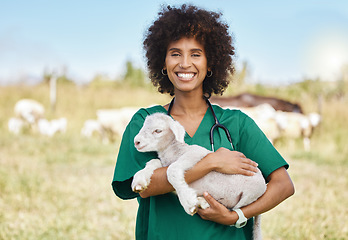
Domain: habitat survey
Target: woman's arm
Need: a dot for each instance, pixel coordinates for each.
(159, 183)
(223, 160)
(279, 188)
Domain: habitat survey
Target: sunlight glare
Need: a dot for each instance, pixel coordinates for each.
(325, 55)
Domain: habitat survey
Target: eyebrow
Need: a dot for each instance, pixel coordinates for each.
(192, 50)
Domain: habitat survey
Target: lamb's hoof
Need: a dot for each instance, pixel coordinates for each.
(138, 188)
(193, 211)
(202, 203)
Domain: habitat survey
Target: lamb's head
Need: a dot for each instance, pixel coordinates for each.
(159, 130)
(314, 119)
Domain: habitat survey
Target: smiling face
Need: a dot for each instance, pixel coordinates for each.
(186, 65)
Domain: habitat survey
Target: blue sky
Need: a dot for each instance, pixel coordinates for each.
(282, 41)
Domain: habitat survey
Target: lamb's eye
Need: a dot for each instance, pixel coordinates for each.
(157, 131)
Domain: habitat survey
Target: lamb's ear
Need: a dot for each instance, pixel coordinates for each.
(178, 130)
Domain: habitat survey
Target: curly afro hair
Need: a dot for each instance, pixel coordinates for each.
(189, 21)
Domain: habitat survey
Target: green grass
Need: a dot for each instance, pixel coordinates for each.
(318, 210)
(60, 187)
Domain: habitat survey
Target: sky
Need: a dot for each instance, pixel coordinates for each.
(281, 41)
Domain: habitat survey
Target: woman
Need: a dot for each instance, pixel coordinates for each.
(189, 53)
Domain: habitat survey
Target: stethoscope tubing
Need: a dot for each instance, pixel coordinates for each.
(216, 125)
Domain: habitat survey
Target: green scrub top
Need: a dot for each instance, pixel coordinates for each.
(162, 217)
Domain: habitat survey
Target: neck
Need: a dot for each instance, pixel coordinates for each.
(185, 104)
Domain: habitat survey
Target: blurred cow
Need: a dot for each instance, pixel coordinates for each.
(251, 100)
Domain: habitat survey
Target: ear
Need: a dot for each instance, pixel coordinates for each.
(178, 131)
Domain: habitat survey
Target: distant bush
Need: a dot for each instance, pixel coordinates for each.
(134, 77)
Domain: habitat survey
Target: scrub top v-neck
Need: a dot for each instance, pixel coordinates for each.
(205, 120)
(162, 216)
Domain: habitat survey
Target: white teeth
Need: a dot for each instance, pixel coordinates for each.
(186, 75)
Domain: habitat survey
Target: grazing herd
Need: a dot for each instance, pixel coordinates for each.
(276, 117)
(281, 124)
(109, 123)
(29, 116)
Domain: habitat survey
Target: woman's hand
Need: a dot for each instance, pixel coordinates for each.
(233, 162)
(223, 160)
(216, 212)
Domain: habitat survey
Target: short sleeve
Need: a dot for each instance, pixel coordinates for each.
(256, 146)
(129, 160)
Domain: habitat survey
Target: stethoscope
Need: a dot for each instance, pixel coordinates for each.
(216, 125)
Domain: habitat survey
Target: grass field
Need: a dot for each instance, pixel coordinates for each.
(60, 187)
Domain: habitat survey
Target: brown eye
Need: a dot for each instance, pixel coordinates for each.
(157, 131)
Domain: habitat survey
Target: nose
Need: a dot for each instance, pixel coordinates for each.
(136, 143)
(185, 62)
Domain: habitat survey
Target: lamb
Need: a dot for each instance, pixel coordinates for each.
(166, 136)
(16, 125)
(50, 128)
(90, 127)
(29, 110)
(264, 116)
(114, 121)
(278, 124)
(297, 125)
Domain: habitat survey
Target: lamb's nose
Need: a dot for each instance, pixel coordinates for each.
(136, 143)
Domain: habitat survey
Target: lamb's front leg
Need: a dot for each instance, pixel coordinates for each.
(176, 177)
(187, 195)
(142, 178)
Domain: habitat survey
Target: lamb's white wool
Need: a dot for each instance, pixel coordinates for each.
(264, 117)
(114, 121)
(29, 110)
(297, 125)
(50, 128)
(16, 125)
(162, 134)
(314, 119)
(278, 124)
(90, 127)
